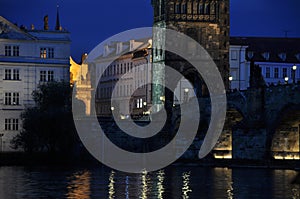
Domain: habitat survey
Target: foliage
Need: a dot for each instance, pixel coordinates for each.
(48, 126)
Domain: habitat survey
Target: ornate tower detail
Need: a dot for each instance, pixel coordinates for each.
(206, 21)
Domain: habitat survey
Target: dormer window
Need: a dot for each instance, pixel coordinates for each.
(266, 55)
(250, 54)
(298, 56)
(282, 56)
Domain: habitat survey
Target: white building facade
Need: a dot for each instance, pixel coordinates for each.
(278, 59)
(27, 59)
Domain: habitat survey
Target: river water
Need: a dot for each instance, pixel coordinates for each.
(173, 182)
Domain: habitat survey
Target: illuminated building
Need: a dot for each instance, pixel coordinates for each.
(28, 57)
(129, 67)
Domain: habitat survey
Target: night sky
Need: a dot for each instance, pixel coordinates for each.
(92, 21)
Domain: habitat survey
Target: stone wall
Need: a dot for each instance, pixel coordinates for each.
(249, 144)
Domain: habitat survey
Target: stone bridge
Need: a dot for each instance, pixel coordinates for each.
(262, 123)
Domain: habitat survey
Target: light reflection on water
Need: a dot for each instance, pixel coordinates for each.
(79, 186)
(173, 182)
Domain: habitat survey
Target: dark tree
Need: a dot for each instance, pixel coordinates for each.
(49, 126)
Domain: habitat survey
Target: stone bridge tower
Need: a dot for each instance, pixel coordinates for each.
(206, 21)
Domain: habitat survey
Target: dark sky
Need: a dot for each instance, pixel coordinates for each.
(92, 21)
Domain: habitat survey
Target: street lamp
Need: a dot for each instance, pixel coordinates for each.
(112, 108)
(186, 94)
(294, 73)
(286, 79)
(145, 107)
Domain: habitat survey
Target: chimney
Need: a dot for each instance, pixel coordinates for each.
(106, 50)
(46, 24)
(119, 47)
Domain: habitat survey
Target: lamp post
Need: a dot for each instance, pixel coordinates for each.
(286, 80)
(145, 107)
(230, 80)
(186, 95)
(294, 73)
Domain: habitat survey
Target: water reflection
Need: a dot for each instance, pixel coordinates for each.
(111, 185)
(173, 182)
(160, 184)
(186, 185)
(79, 186)
(144, 185)
(127, 187)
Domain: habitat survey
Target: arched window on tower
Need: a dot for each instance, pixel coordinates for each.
(177, 8)
(200, 9)
(213, 8)
(207, 9)
(183, 8)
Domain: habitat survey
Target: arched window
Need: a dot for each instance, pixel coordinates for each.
(183, 8)
(213, 8)
(200, 9)
(207, 9)
(177, 8)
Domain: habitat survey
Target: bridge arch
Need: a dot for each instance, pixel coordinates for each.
(285, 134)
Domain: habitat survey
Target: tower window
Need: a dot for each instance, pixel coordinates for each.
(213, 8)
(207, 9)
(177, 8)
(201, 9)
(184, 9)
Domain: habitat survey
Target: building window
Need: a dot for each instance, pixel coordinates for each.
(11, 99)
(11, 124)
(268, 72)
(233, 55)
(139, 103)
(15, 50)
(50, 76)
(50, 52)
(43, 53)
(7, 50)
(16, 74)
(7, 74)
(15, 99)
(7, 99)
(284, 72)
(43, 76)
(276, 73)
(46, 53)
(12, 50)
(11, 74)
